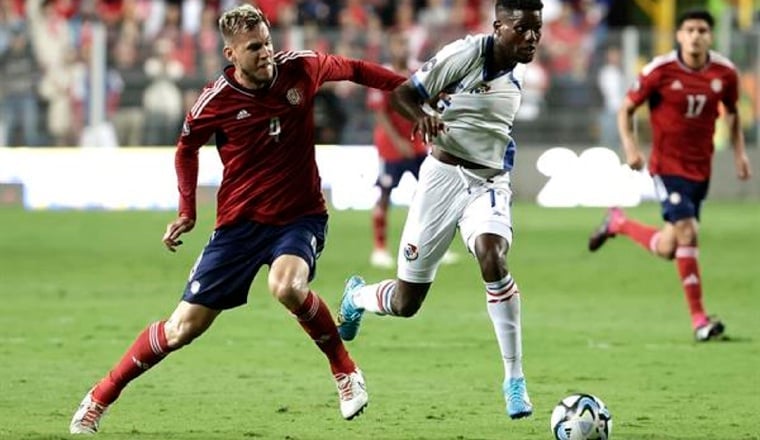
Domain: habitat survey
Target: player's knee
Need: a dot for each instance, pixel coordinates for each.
(287, 290)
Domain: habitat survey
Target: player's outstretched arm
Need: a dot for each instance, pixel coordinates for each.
(407, 101)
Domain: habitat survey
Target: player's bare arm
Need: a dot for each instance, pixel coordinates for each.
(741, 160)
(408, 103)
(176, 228)
(633, 155)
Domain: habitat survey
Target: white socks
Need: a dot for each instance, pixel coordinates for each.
(376, 298)
(503, 303)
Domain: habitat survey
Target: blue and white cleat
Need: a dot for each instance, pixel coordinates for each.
(516, 395)
(349, 316)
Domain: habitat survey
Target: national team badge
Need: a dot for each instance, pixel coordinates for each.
(411, 252)
(294, 96)
(716, 85)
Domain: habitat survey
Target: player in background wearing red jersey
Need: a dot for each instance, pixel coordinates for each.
(684, 90)
(397, 151)
(270, 209)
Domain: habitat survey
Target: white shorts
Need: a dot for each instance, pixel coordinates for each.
(450, 197)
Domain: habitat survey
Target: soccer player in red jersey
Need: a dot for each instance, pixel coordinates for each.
(398, 153)
(270, 209)
(684, 89)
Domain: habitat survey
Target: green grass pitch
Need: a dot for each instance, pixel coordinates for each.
(77, 287)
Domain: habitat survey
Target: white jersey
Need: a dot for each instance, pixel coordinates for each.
(481, 106)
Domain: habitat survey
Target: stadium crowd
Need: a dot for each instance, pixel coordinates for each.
(159, 53)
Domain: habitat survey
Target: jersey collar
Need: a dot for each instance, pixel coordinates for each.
(487, 74)
(229, 76)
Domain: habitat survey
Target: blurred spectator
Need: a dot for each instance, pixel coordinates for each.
(611, 83)
(162, 100)
(19, 114)
(416, 34)
(54, 50)
(81, 91)
(128, 120)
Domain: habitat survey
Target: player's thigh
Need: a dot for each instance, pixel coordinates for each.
(431, 221)
(488, 212)
(223, 272)
(680, 198)
(304, 238)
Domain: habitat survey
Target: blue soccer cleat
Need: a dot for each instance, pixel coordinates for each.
(516, 395)
(350, 316)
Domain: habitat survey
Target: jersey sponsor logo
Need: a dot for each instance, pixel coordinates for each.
(716, 85)
(411, 252)
(242, 114)
(676, 85)
(294, 96)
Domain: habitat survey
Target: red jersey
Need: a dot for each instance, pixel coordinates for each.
(265, 138)
(379, 101)
(684, 107)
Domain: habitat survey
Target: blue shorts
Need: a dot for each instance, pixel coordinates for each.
(223, 273)
(391, 172)
(680, 198)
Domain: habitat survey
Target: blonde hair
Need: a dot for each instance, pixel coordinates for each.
(239, 19)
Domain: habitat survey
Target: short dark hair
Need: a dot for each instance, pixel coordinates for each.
(526, 5)
(695, 14)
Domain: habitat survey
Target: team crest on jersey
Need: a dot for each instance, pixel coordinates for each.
(481, 88)
(429, 65)
(294, 96)
(411, 252)
(716, 85)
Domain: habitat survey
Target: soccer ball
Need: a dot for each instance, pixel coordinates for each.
(581, 417)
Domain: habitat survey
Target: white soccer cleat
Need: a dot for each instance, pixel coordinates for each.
(711, 330)
(381, 259)
(86, 419)
(353, 393)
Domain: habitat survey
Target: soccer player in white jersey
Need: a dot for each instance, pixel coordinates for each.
(464, 182)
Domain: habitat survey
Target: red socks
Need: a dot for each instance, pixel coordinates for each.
(688, 270)
(379, 227)
(149, 348)
(315, 318)
(644, 235)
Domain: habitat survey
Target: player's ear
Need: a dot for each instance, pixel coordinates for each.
(496, 25)
(227, 52)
